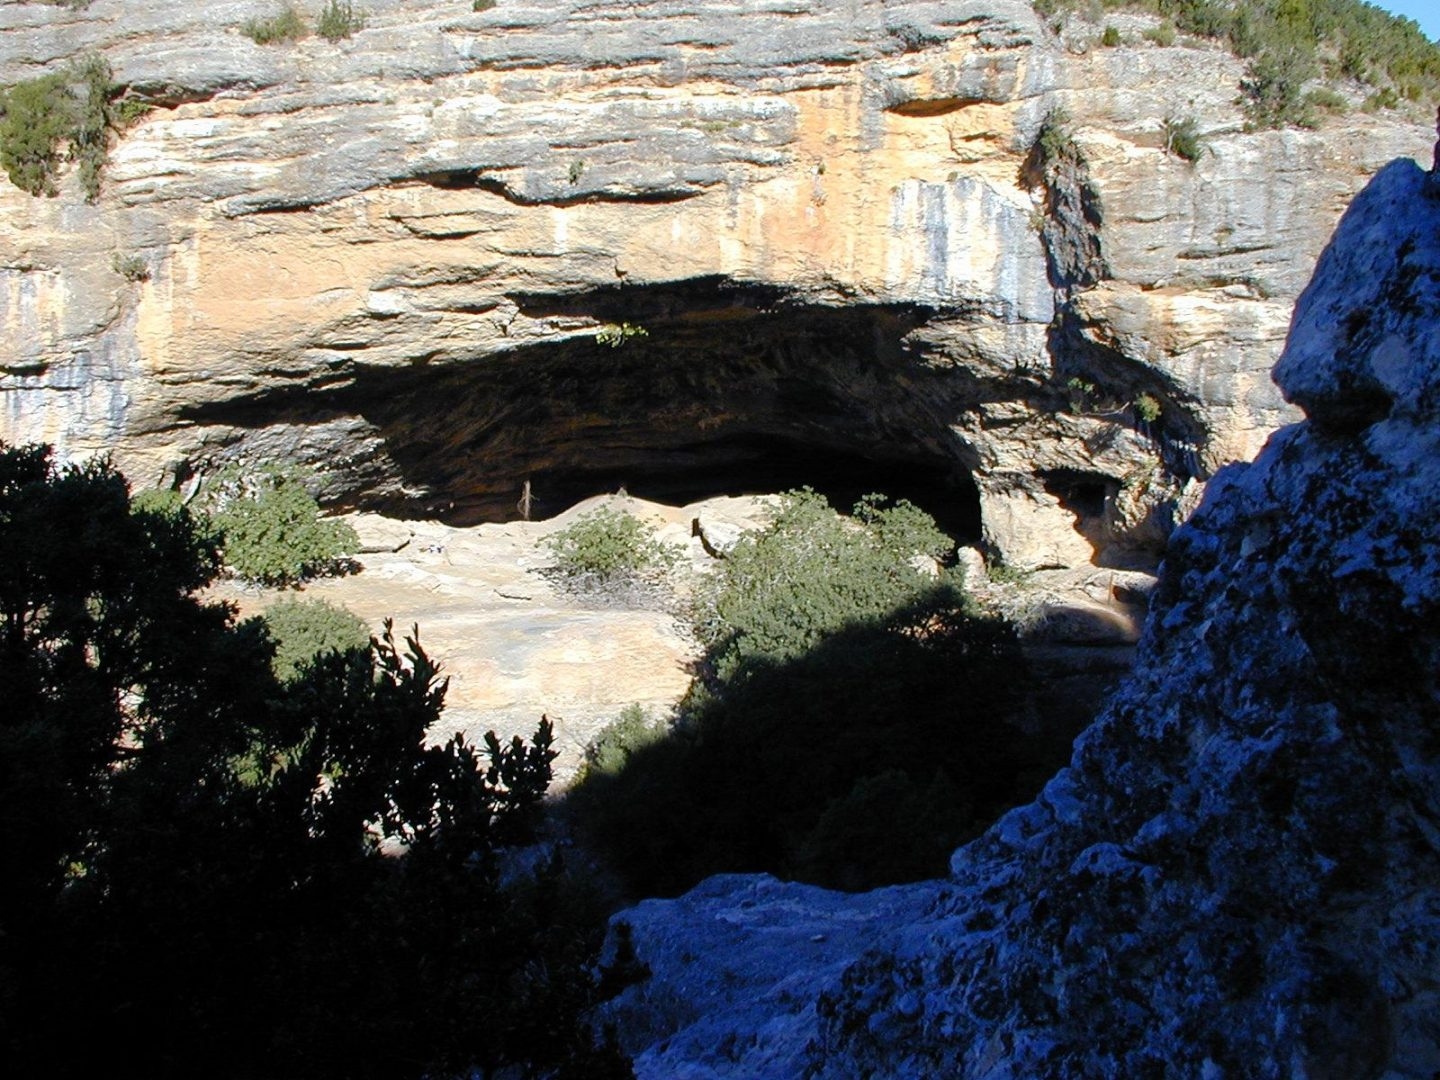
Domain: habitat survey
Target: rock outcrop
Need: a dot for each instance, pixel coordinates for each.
(390, 257)
(1238, 875)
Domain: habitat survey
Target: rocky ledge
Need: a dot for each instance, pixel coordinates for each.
(420, 258)
(1238, 875)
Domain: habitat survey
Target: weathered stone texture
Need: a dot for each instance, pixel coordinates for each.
(1236, 876)
(450, 190)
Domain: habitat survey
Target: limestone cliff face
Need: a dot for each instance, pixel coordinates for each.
(390, 255)
(1238, 875)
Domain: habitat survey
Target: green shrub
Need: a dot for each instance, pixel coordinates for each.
(338, 20)
(38, 116)
(619, 741)
(130, 267)
(157, 501)
(1162, 35)
(1273, 91)
(304, 630)
(1327, 100)
(1110, 38)
(1147, 408)
(810, 573)
(285, 26)
(613, 556)
(67, 110)
(1384, 98)
(617, 334)
(482, 5)
(1055, 144)
(272, 530)
(1081, 394)
(1183, 139)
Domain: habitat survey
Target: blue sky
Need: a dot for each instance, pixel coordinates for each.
(1425, 12)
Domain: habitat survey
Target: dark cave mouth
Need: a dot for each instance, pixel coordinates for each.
(734, 389)
(764, 465)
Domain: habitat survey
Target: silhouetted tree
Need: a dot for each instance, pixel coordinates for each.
(198, 874)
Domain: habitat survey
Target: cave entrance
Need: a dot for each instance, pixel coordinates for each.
(764, 464)
(730, 390)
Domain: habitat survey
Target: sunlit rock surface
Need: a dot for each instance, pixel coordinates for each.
(1239, 873)
(389, 257)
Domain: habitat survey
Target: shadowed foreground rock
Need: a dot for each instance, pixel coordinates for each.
(1239, 873)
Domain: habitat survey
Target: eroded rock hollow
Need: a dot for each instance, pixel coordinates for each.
(389, 257)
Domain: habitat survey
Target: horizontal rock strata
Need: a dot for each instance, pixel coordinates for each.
(390, 256)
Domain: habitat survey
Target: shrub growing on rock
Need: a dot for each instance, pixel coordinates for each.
(285, 25)
(304, 630)
(272, 530)
(338, 20)
(610, 555)
(65, 111)
(810, 573)
(840, 668)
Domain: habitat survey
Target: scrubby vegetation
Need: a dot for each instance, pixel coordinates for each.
(285, 25)
(1289, 42)
(338, 20)
(271, 528)
(1183, 138)
(810, 573)
(63, 116)
(610, 555)
(306, 630)
(847, 691)
(194, 873)
(131, 267)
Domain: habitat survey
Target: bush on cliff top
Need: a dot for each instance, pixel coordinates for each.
(1291, 41)
(62, 116)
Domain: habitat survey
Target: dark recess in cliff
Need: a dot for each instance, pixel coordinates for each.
(733, 389)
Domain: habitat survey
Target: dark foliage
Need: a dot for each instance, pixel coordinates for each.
(862, 762)
(195, 879)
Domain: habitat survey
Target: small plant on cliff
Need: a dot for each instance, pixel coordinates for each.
(130, 267)
(1147, 408)
(1111, 37)
(482, 5)
(338, 20)
(1162, 35)
(62, 116)
(1183, 139)
(616, 334)
(286, 25)
(1081, 394)
(612, 556)
(272, 530)
(1055, 143)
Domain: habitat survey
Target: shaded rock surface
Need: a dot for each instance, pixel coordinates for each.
(1238, 875)
(390, 257)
